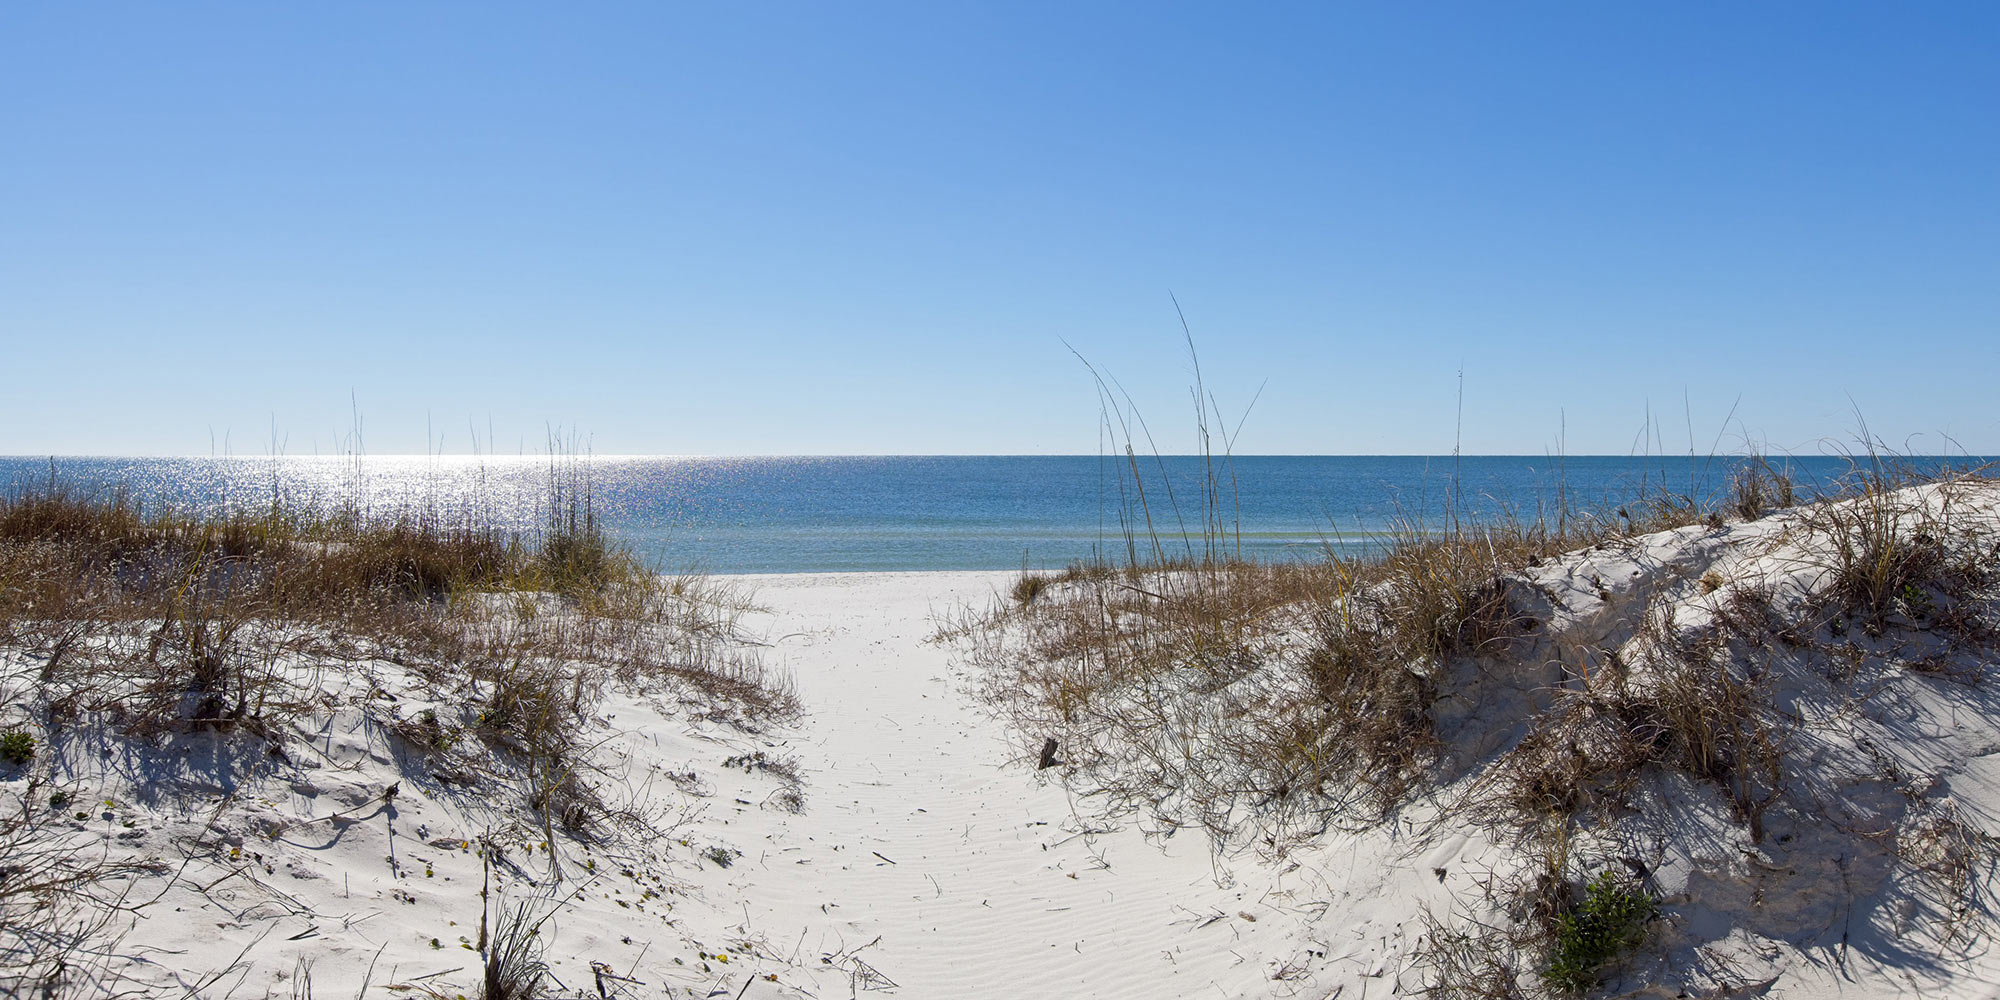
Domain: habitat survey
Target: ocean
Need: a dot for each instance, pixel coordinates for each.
(814, 514)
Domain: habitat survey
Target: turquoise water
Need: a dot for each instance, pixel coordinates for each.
(761, 515)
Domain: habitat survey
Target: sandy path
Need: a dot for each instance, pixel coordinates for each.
(992, 891)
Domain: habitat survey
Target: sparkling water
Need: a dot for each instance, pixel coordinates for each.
(799, 514)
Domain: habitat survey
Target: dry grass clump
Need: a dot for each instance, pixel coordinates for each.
(1120, 666)
(417, 558)
(55, 514)
(1374, 710)
(1901, 550)
(1757, 488)
(1464, 960)
(1690, 701)
(514, 967)
(1435, 596)
(161, 622)
(1302, 688)
(575, 555)
(1381, 638)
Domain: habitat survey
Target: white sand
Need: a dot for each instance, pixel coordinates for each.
(930, 854)
(999, 888)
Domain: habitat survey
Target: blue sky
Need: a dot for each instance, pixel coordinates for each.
(867, 228)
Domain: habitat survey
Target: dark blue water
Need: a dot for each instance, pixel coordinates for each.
(757, 515)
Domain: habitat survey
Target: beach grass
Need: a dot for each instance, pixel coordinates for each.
(1255, 699)
(239, 627)
(1262, 700)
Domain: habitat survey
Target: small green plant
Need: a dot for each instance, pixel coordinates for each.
(435, 732)
(1915, 600)
(17, 747)
(1605, 926)
(721, 856)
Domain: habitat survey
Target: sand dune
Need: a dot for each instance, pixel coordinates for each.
(899, 839)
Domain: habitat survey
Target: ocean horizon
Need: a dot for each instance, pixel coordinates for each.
(787, 514)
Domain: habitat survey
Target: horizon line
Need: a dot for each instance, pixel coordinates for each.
(1220, 456)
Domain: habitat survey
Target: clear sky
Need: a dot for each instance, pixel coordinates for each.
(758, 228)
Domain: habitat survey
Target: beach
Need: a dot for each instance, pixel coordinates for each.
(665, 501)
(929, 853)
(898, 834)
